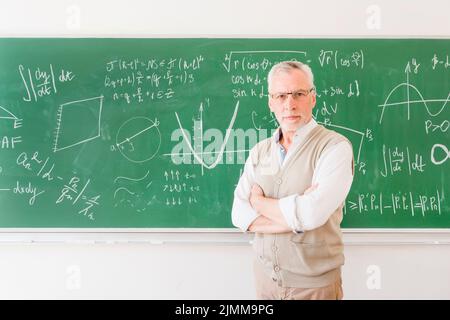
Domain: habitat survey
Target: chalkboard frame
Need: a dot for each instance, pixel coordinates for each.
(205, 236)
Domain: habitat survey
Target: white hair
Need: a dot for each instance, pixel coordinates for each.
(288, 66)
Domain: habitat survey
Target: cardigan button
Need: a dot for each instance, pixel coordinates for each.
(279, 181)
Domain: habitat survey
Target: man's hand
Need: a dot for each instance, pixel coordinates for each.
(255, 195)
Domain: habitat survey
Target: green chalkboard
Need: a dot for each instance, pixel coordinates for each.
(153, 133)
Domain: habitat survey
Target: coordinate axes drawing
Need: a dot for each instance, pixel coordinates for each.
(409, 102)
(199, 154)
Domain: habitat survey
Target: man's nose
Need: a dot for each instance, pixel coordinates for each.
(290, 102)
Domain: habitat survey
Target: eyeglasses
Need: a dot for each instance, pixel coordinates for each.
(299, 95)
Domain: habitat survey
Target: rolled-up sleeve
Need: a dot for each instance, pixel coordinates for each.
(333, 176)
(242, 214)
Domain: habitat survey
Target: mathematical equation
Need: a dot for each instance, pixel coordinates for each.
(72, 190)
(396, 159)
(396, 203)
(42, 82)
(138, 80)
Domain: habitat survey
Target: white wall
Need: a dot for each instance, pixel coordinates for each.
(139, 271)
(215, 271)
(224, 17)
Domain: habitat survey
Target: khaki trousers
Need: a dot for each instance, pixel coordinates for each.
(268, 289)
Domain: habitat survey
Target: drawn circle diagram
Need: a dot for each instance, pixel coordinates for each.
(445, 154)
(139, 139)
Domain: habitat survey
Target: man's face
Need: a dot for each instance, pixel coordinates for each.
(291, 110)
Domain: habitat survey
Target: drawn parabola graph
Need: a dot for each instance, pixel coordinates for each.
(139, 139)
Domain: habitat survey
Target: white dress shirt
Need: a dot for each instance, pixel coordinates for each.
(333, 176)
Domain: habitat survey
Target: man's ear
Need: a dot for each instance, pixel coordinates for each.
(270, 104)
(313, 100)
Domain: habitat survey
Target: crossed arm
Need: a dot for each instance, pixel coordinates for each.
(271, 219)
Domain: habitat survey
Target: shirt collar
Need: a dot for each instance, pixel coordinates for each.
(301, 132)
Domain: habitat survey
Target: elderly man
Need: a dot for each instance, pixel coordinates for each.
(292, 192)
